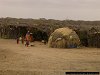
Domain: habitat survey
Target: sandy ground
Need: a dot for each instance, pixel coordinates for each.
(16, 59)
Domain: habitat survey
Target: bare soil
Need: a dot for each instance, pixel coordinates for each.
(16, 59)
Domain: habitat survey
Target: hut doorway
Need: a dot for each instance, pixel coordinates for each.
(83, 35)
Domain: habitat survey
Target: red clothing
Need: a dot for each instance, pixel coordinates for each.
(28, 37)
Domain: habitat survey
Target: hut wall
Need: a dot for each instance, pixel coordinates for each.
(0, 32)
(94, 40)
(3, 32)
(12, 32)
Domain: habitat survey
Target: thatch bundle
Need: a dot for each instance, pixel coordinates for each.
(64, 38)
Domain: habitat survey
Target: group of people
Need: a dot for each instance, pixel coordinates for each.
(27, 38)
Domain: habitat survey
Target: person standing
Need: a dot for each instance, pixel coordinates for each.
(17, 40)
(27, 38)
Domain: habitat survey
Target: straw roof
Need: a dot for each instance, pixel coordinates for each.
(63, 38)
(64, 31)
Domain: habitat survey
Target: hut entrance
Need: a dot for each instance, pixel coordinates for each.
(84, 42)
(83, 37)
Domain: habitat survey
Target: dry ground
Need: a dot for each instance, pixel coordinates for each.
(16, 59)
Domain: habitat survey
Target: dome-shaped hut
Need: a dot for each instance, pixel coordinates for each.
(64, 38)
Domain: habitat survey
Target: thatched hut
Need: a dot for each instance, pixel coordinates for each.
(13, 31)
(94, 38)
(64, 38)
(89, 37)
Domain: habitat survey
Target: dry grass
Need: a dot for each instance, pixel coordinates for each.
(41, 60)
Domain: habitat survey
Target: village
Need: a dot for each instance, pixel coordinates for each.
(55, 46)
(40, 29)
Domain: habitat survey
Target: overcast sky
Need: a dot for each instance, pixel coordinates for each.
(51, 9)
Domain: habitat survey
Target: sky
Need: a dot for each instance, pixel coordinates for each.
(51, 9)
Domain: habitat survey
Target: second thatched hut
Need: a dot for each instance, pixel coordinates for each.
(64, 38)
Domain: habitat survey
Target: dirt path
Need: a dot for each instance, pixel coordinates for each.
(41, 60)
